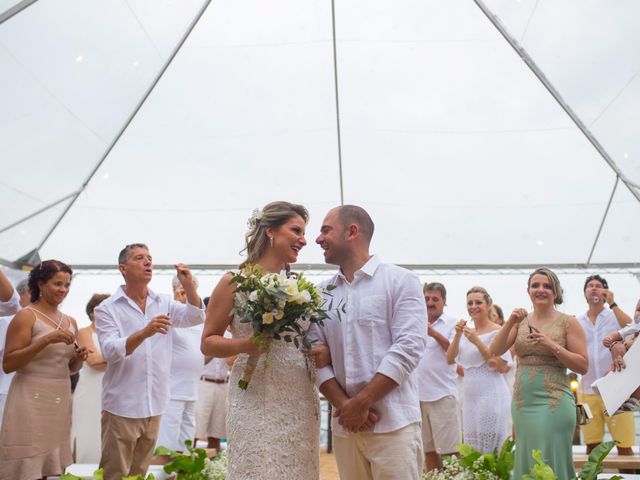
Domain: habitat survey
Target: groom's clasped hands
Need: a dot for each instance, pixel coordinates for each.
(355, 415)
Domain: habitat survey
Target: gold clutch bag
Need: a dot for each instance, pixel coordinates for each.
(583, 413)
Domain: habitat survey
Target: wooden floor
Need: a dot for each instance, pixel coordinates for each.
(328, 468)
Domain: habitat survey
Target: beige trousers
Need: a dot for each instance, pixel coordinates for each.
(380, 456)
(127, 444)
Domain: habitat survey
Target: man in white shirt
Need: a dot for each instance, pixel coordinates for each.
(9, 299)
(24, 298)
(438, 383)
(132, 327)
(597, 322)
(374, 347)
(178, 422)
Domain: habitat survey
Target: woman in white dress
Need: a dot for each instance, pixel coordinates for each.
(273, 426)
(87, 407)
(485, 412)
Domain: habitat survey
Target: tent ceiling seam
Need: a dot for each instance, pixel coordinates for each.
(528, 60)
(129, 120)
(615, 97)
(144, 30)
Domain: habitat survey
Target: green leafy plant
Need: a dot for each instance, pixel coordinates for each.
(99, 475)
(186, 465)
(540, 471)
(593, 466)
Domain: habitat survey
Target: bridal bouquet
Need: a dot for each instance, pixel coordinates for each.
(278, 306)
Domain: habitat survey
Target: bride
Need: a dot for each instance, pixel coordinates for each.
(273, 426)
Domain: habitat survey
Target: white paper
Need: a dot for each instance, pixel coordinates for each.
(616, 387)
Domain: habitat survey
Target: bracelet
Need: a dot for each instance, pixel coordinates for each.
(614, 344)
(613, 305)
(557, 350)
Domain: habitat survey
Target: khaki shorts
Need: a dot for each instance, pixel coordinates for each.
(441, 425)
(622, 427)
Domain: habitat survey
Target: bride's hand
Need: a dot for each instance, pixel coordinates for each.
(320, 354)
(253, 348)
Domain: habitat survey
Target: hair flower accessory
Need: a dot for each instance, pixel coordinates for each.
(255, 218)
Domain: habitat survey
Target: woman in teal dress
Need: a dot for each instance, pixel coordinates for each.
(547, 343)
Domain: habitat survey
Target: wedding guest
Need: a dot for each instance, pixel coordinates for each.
(212, 404)
(178, 422)
(22, 289)
(548, 342)
(437, 382)
(485, 412)
(35, 438)
(88, 394)
(597, 322)
(9, 298)
(133, 326)
(375, 347)
(496, 315)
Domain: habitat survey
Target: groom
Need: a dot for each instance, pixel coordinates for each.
(374, 348)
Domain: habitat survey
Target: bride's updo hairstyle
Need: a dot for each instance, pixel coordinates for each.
(273, 215)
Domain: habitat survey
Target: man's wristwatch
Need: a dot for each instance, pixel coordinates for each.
(613, 305)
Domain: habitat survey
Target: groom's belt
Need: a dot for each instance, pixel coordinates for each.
(213, 380)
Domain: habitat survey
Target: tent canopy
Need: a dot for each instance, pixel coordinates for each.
(168, 122)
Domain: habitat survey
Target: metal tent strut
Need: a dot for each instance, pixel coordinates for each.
(335, 81)
(133, 114)
(17, 8)
(556, 95)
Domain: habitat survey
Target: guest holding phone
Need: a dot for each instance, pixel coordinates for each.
(548, 342)
(41, 349)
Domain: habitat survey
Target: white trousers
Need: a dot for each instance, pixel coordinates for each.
(178, 423)
(380, 456)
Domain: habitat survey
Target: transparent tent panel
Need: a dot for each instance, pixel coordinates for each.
(589, 53)
(25, 237)
(448, 139)
(70, 78)
(621, 231)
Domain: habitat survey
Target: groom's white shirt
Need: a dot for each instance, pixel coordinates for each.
(383, 331)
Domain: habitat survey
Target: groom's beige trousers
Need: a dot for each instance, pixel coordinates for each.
(380, 456)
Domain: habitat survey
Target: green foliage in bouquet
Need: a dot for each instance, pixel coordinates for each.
(275, 303)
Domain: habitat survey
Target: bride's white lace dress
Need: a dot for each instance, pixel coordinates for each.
(273, 427)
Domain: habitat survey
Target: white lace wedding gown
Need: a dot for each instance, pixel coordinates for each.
(273, 427)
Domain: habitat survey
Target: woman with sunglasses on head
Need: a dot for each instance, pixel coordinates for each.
(41, 348)
(547, 342)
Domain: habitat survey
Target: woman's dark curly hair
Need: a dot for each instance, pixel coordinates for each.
(43, 273)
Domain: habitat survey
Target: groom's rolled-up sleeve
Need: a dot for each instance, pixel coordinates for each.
(408, 326)
(316, 335)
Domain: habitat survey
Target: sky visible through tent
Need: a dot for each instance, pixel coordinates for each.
(446, 136)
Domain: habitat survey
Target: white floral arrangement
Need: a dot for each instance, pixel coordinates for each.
(216, 468)
(279, 306)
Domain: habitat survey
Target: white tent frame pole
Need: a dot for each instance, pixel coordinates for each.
(604, 218)
(556, 95)
(17, 8)
(335, 81)
(133, 114)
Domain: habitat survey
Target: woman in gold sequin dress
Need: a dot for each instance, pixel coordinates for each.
(34, 442)
(547, 343)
